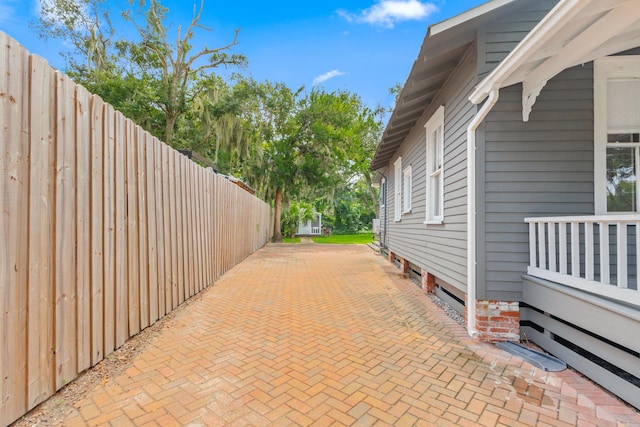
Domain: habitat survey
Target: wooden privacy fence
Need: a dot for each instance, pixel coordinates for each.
(103, 229)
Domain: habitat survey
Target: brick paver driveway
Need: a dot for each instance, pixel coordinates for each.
(332, 335)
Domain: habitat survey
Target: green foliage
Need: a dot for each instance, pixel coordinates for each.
(345, 239)
(621, 183)
(298, 212)
(312, 143)
(354, 210)
(85, 25)
(153, 79)
(288, 144)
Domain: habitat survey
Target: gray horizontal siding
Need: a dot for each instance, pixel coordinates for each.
(502, 35)
(543, 167)
(439, 249)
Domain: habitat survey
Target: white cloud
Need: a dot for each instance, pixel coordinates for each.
(326, 76)
(386, 13)
(7, 11)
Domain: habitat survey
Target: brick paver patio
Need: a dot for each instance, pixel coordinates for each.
(333, 335)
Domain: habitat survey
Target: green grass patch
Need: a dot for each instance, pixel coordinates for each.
(290, 240)
(346, 239)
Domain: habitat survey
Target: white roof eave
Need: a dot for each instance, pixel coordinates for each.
(573, 32)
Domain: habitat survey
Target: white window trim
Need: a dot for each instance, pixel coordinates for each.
(407, 189)
(604, 69)
(383, 192)
(436, 120)
(397, 186)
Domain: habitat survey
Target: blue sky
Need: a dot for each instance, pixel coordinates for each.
(364, 46)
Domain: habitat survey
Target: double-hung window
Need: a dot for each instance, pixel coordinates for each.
(397, 184)
(617, 134)
(435, 168)
(407, 187)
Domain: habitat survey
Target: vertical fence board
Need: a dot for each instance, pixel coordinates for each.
(109, 229)
(199, 231)
(208, 176)
(238, 226)
(190, 227)
(228, 229)
(214, 218)
(214, 230)
(196, 230)
(143, 237)
(180, 229)
(173, 227)
(14, 185)
(222, 210)
(193, 228)
(166, 242)
(41, 369)
(133, 262)
(121, 282)
(83, 227)
(152, 227)
(205, 225)
(97, 229)
(65, 232)
(160, 194)
(225, 210)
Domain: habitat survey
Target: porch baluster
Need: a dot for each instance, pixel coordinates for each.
(588, 254)
(622, 254)
(542, 258)
(551, 227)
(532, 244)
(575, 249)
(562, 234)
(605, 275)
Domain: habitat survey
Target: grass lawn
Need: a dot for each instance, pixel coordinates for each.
(290, 240)
(346, 239)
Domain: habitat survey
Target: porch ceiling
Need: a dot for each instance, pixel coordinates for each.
(572, 33)
(443, 48)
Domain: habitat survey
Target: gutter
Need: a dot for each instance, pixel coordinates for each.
(490, 86)
(471, 210)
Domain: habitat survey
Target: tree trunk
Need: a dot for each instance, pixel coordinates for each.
(169, 127)
(277, 231)
(372, 193)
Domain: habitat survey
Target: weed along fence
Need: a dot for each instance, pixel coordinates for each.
(103, 229)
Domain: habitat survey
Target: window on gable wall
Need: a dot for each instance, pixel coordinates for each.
(397, 189)
(407, 189)
(435, 168)
(617, 134)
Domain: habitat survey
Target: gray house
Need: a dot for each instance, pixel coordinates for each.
(509, 172)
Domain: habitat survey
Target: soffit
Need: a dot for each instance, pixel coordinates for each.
(573, 33)
(444, 46)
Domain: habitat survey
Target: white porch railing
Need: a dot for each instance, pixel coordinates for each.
(597, 254)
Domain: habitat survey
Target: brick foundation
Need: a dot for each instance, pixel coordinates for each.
(428, 282)
(404, 266)
(497, 321)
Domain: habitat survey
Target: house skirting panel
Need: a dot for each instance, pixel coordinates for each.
(593, 335)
